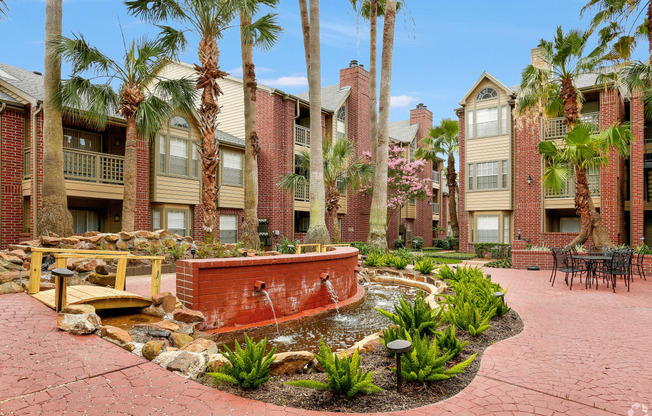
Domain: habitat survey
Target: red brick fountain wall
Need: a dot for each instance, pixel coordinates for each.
(224, 289)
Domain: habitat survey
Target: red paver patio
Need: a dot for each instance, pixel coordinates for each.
(582, 352)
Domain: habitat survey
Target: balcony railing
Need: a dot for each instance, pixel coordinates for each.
(435, 209)
(301, 136)
(569, 189)
(435, 177)
(84, 166)
(302, 192)
(27, 164)
(555, 128)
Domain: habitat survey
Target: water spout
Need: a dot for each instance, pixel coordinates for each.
(333, 293)
(259, 286)
(271, 304)
(324, 277)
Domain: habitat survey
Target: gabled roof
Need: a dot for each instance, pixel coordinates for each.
(227, 138)
(332, 97)
(402, 131)
(27, 84)
(490, 77)
(6, 97)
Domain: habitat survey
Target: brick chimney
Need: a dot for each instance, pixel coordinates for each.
(356, 77)
(423, 117)
(536, 58)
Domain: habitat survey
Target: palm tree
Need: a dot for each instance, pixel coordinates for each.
(54, 216)
(583, 150)
(317, 231)
(145, 99)
(378, 213)
(445, 139)
(342, 171)
(615, 16)
(262, 33)
(207, 19)
(4, 10)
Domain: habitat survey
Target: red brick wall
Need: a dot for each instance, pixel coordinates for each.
(198, 222)
(223, 289)
(143, 212)
(636, 168)
(462, 214)
(423, 221)
(522, 259)
(12, 139)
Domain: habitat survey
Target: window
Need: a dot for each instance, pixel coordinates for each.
(488, 227)
(471, 177)
(232, 168)
(569, 225)
(504, 164)
(229, 229)
(413, 147)
(506, 230)
(162, 158)
(486, 122)
(301, 221)
(156, 220)
(408, 231)
(180, 123)
(469, 123)
(486, 94)
(341, 122)
(340, 184)
(178, 156)
(85, 220)
(194, 149)
(82, 140)
(177, 222)
(487, 175)
(504, 127)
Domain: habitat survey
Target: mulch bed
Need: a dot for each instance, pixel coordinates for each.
(413, 395)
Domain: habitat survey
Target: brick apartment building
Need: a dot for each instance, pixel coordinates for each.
(502, 198)
(169, 187)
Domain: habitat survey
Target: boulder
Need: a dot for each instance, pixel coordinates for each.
(188, 316)
(111, 238)
(8, 266)
(149, 330)
(122, 246)
(145, 234)
(18, 253)
(26, 249)
(178, 340)
(30, 243)
(11, 258)
(101, 279)
(153, 310)
(216, 361)
(273, 253)
(116, 334)
(288, 363)
(9, 276)
(201, 345)
(101, 269)
(163, 233)
(169, 243)
(72, 264)
(70, 240)
(88, 266)
(79, 324)
(78, 309)
(166, 300)
(42, 285)
(143, 244)
(167, 325)
(50, 241)
(96, 239)
(177, 237)
(129, 347)
(188, 239)
(229, 247)
(152, 349)
(126, 236)
(10, 287)
(91, 233)
(188, 364)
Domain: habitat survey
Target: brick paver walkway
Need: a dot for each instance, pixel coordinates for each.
(582, 352)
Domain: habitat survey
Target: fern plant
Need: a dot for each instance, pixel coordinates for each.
(376, 259)
(447, 341)
(249, 367)
(287, 246)
(344, 375)
(425, 266)
(426, 362)
(417, 316)
(392, 333)
(397, 262)
(466, 315)
(177, 251)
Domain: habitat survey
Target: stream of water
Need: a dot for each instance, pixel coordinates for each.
(333, 294)
(271, 305)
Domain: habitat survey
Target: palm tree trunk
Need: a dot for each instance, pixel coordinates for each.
(305, 29)
(54, 216)
(590, 219)
(332, 205)
(451, 177)
(317, 231)
(249, 232)
(373, 74)
(649, 26)
(378, 213)
(207, 75)
(130, 175)
(570, 99)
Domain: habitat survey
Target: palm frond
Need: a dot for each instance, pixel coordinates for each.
(154, 11)
(85, 101)
(264, 32)
(82, 56)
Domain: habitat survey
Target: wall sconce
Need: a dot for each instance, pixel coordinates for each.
(116, 218)
(117, 142)
(529, 180)
(519, 234)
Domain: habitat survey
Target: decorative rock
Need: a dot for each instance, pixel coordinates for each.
(178, 340)
(42, 285)
(167, 325)
(87, 266)
(82, 324)
(116, 334)
(169, 243)
(18, 253)
(153, 310)
(143, 244)
(126, 236)
(177, 237)
(7, 265)
(101, 279)
(10, 287)
(216, 361)
(9, 276)
(153, 349)
(112, 238)
(188, 364)
(101, 269)
(187, 239)
(94, 239)
(91, 233)
(202, 345)
(273, 253)
(50, 241)
(229, 247)
(290, 362)
(122, 246)
(145, 234)
(188, 316)
(163, 233)
(78, 309)
(166, 300)
(149, 330)
(129, 347)
(70, 240)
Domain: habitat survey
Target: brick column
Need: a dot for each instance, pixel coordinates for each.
(423, 221)
(198, 222)
(143, 216)
(528, 199)
(462, 215)
(637, 174)
(12, 135)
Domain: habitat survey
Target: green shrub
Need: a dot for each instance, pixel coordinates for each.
(417, 242)
(178, 250)
(344, 375)
(424, 266)
(362, 247)
(287, 246)
(497, 251)
(453, 242)
(500, 264)
(417, 315)
(397, 262)
(643, 249)
(456, 256)
(207, 250)
(466, 315)
(404, 253)
(392, 333)
(376, 259)
(249, 368)
(426, 249)
(399, 243)
(443, 244)
(156, 249)
(447, 341)
(427, 363)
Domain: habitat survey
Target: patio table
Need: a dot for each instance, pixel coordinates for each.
(591, 261)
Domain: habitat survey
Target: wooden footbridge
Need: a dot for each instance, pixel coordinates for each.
(98, 296)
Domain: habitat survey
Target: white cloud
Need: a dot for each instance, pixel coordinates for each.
(289, 81)
(237, 71)
(402, 101)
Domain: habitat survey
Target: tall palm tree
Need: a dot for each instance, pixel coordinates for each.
(342, 171)
(207, 19)
(262, 33)
(445, 139)
(378, 213)
(317, 231)
(583, 150)
(615, 17)
(145, 99)
(54, 215)
(4, 10)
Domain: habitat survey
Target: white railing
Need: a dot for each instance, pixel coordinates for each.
(301, 136)
(302, 192)
(84, 166)
(555, 128)
(435, 209)
(435, 177)
(569, 188)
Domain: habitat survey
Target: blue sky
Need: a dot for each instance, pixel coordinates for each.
(441, 47)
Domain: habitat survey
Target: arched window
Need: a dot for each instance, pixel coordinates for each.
(486, 94)
(179, 122)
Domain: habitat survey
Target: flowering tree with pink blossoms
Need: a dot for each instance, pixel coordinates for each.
(403, 182)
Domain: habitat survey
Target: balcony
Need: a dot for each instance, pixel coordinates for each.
(435, 209)
(302, 192)
(436, 177)
(568, 191)
(85, 166)
(555, 128)
(301, 136)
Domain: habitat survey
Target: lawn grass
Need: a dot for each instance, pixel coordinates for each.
(453, 255)
(441, 260)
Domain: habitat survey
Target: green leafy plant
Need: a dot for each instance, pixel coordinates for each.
(397, 262)
(455, 256)
(443, 244)
(417, 242)
(426, 362)
(392, 333)
(362, 247)
(208, 250)
(453, 242)
(399, 243)
(643, 249)
(376, 259)
(424, 266)
(418, 315)
(500, 264)
(154, 250)
(248, 367)
(465, 315)
(344, 375)
(235, 251)
(447, 341)
(178, 250)
(287, 246)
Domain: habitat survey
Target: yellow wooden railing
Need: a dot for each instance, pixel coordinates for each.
(301, 136)
(300, 248)
(326, 247)
(302, 192)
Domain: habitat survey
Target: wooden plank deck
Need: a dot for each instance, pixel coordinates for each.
(99, 297)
